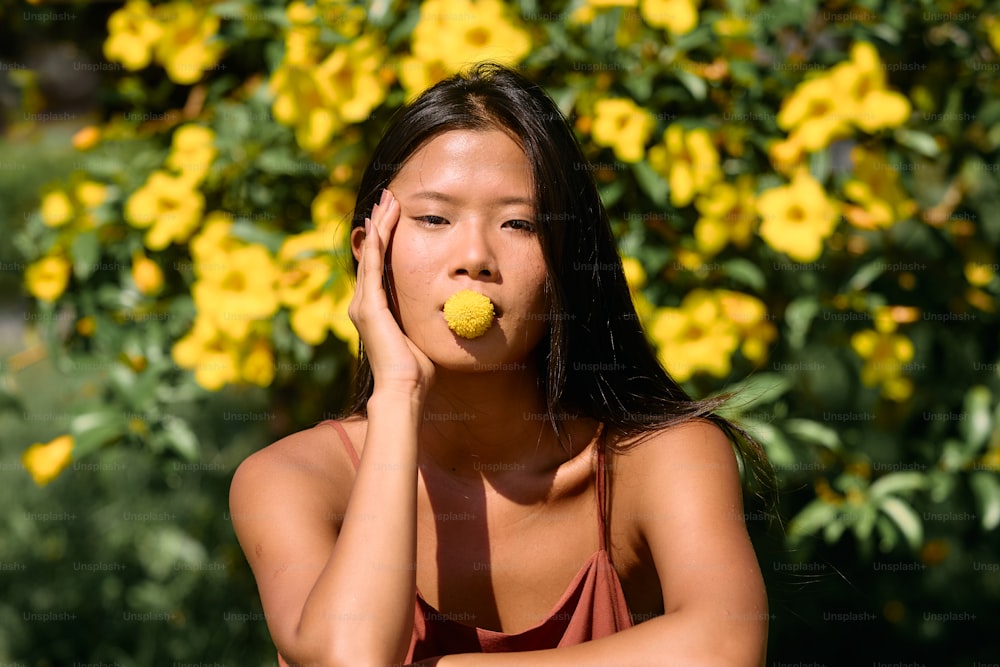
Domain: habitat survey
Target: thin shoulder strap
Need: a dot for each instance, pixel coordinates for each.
(602, 524)
(353, 453)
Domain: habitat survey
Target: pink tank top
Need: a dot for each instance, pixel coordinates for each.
(593, 606)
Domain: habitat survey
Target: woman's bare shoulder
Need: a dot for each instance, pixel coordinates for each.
(314, 459)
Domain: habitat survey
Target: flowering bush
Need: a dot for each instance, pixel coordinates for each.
(805, 199)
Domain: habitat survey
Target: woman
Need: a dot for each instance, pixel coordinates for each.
(545, 488)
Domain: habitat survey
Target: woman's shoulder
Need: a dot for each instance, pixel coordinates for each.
(313, 461)
(651, 465)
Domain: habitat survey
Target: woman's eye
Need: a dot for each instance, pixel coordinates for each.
(432, 219)
(522, 225)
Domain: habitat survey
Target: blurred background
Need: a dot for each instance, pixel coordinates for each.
(805, 195)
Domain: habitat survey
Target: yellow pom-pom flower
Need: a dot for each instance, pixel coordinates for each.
(469, 314)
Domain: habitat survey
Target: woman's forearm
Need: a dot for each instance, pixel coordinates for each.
(361, 607)
(680, 639)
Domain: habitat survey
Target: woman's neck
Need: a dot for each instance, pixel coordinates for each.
(484, 424)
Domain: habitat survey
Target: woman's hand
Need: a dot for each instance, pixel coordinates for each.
(396, 363)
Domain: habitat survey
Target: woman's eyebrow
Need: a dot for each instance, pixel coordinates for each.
(449, 199)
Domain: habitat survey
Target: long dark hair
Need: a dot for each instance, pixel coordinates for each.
(596, 359)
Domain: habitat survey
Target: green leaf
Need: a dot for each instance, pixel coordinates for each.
(86, 251)
(694, 84)
(920, 142)
(813, 517)
(746, 272)
(650, 182)
(799, 315)
(977, 425)
(866, 275)
(814, 432)
(897, 482)
(179, 437)
(986, 487)
(906, 519)
(758, 389)
(92, 430)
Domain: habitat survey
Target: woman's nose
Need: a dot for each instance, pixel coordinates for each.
(473, 254)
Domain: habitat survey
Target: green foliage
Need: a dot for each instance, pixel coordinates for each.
(846, 259)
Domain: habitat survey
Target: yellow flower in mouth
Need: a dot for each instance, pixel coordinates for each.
(797, 218)
(132, 32)
(469, 314)
(47, 278)
(623, 126)
(45, 461)
(728, 214)
(695, 337)
(677, 17)
(168, 206)
(689, 162)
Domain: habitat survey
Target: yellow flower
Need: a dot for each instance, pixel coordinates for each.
(348, 79)
(468, 313)
(728, 213)
(192, 151)
(678, 17)
(689, 162)
(417, 75)
(258, 365)
(623, 126)
(343, 328)
(877, 190)
(635, 276)
(186, 48)
(168, 206)
(132, 32)
(457, 33)
(146, 274)
(298, 103)
(797, 218)
(45, 461)
(816, 114)
(91, 193)
(992, 24)
(213, 242)
(57, 209)
(862, 81)
(47, 278)
(237, 289)
(86, 138)
(697, 337)
(749, 316)
(885, 353)
(209, 353)
(979, 273)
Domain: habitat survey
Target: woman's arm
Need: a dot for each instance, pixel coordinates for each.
(351, 600)
(686, 498)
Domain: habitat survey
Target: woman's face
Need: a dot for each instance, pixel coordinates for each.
(467, 222)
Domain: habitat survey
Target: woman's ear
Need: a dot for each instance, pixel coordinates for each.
(357, 240)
